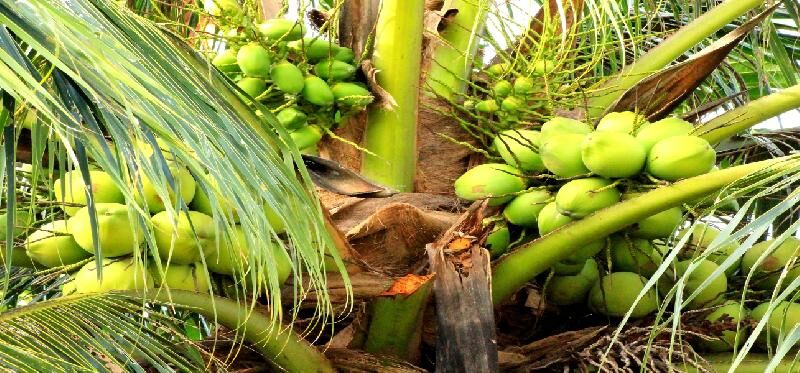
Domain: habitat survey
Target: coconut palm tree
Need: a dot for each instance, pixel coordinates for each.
(101, 81)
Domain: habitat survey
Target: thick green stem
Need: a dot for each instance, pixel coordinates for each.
(669, 50)
(452, 60)
(519, 267)
(283, 348)
(396, 323)
(744, 117)
(391, 133)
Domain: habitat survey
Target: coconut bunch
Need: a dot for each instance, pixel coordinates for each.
(308, 83)
(188, 246)
(510, 95)
(567, 170)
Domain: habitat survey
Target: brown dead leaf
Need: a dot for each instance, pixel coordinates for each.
(657, 95)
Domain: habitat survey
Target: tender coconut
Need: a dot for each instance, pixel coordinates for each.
(702, 237)
(615, 294)
(561, 125)
(186, 240)
(490, 180)
(634, 255)
(118, 274)
(569, 290)
(625, 122)
(581, 197)
(661, 225)
(768, 272)
(73, 190)
(498, 239)
(191, 277)
(524, 208)
(561, 154)
(519, 148)
(712, 293)
(181, 177)
(731, 313)
(117, 234)
(550, 218)
(651, 133)
(680, 157)
(233, 256)
(613, 154)
(254, 60)
(53, 246)
(785, 316)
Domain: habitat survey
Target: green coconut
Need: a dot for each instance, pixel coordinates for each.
(634, 255)
(502, 88)
(287, 77)
(53, 246)
(351, 95)
(254, 61)
(498, 239)
(181, 177)
(519, 148)
(117, 234)
(306, 136)
(344, 54)
(191, 277)
(291, 118)
(281, 29)
(561, 125)
(784, 317)
(511, 104)
(680, 157)
(549, 219)
(226, 62)
(254, 87)
(569, 290)
(202, 203)
(626, 122)
(117, 274)
(497, 69)
(524, 86)
(712, 293)
(730, 316)
(317, 91)
(651, 133)
(702, 237)
(226, 8)
(487, 106)
(615, 294)
(176, 241)
(542, 67)
(768, 272)
(491, 180)
(23, 219)
(581, 197)
(233, 256)
(524, 208)
(561, 154)
(660, 225)
(314, 48)
(613, 154)
(332, 69)
(73, 190)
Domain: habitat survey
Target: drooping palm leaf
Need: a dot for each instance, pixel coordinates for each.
(135, 82)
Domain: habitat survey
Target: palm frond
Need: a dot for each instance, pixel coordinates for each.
(95, 333)
(121, 78)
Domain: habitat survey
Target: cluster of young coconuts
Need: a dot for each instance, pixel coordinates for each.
(183, 242)
(304, 81)
(579, 170)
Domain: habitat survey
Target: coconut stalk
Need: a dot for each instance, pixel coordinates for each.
(396, 324)
(391, 132)
(754, 112)
(284, 349)
(453, 58)
(515, 269)
(669, 50)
